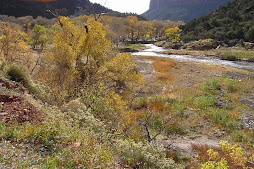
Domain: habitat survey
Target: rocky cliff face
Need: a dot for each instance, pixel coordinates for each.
(184, 10)
(160, 3)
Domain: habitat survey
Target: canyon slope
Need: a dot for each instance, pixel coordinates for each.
(19, 8)
(181, 10)
(231, 23)
(36, 8)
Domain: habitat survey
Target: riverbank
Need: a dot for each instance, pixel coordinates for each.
(211, 102)
(211, 48)
(229, 54)
(131, 47)
(152, 50)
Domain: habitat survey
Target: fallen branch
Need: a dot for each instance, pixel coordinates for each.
(249, 164)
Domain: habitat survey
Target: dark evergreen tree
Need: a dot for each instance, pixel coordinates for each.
(231, 22)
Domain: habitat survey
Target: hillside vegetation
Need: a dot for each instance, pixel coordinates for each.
(231, 23)
(66, 96)
(19, 8)
(69, 99)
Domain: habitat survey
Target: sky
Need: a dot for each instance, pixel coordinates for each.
(134, 6)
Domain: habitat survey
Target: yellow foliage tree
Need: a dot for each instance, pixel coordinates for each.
(173, 34)
(12, 45)
(81, 64)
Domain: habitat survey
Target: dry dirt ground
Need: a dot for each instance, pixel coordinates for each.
(186, 76)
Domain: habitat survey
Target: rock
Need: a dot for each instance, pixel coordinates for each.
(185, 145)
(248, 120)
(248, 101)
(238, 76)
(18, 109)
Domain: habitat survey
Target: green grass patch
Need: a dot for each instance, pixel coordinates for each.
(211, 86)
(235, 55)
(204, 101)
(178, 108)
(231, 86)
(134, 47)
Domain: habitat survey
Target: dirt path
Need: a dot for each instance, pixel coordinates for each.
(185, 145)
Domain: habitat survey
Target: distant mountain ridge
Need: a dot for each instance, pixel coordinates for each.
(36, 8)
(184, 10)
(39, 8)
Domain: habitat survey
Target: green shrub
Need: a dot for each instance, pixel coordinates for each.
(69, 139)
(204, 102)
(246, 136)
(43, 93)
(178, 108)
(174, 129)
(221, 117)
(156, 124)
(160, 43)
(228, 56)
(215, 84)
(140, 102)
(151, 156)
(78, 125)
(85, 119)
(19, 73)
(172, 45)
(2, 65)
(205, 44)
(90, 154)
(211, 86)
(18, 156)
(43, 135)
(231, 86)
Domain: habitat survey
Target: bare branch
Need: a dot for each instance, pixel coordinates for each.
(57, 16)
(96, 18)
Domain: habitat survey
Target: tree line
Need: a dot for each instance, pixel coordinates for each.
(230, 23)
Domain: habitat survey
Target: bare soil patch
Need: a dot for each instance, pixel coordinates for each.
(18, 109)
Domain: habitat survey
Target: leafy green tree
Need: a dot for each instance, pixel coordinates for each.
(250, 34)
(229, 23)
(39, 36)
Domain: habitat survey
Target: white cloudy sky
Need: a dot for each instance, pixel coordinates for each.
(136, 6)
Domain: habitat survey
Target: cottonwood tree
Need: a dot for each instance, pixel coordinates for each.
(80, 64)
(12, 45)
(38, 42)
(173, 34)
(39, 37)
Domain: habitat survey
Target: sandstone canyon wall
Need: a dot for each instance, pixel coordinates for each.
(184, 10)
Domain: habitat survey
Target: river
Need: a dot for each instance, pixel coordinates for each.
(152, 50)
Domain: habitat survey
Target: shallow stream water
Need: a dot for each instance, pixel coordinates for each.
(152, 50)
